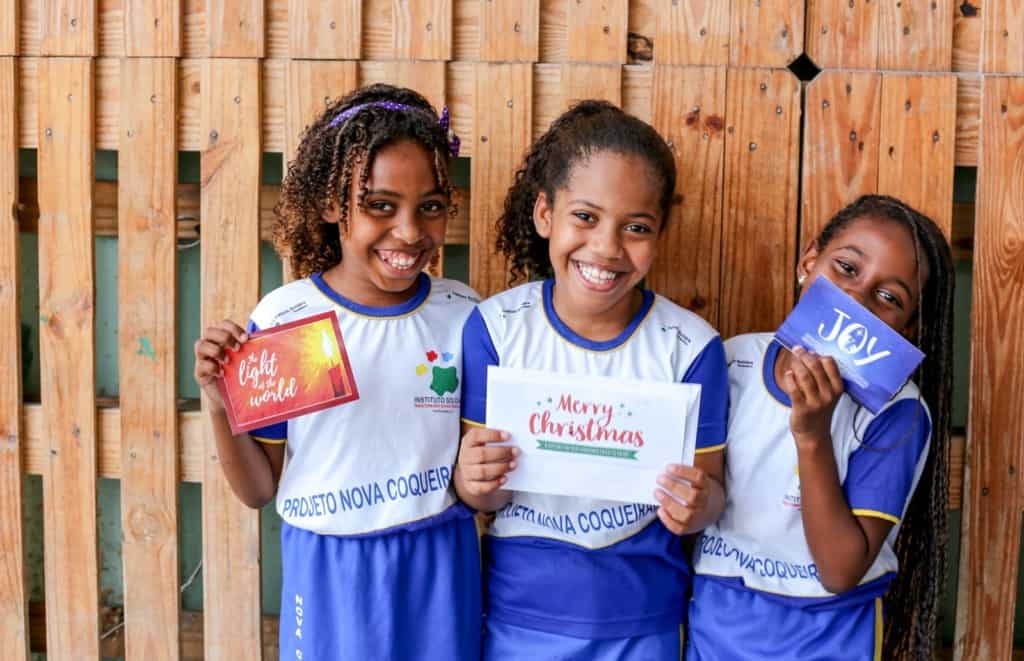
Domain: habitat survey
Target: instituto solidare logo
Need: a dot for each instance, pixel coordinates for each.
(443, 382)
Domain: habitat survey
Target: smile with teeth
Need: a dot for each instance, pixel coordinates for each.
(398, 259)
(595, 274)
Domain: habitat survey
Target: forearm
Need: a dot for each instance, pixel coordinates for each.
(838, 543)
(246, 466)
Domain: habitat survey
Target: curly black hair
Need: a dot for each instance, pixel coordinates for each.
(914, 598)
(586, 128)
(325, 163)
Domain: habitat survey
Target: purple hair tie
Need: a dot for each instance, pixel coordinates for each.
(444, 121)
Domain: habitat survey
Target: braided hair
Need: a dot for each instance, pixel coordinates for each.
(921, 545)
(586, 128)
(330, 153)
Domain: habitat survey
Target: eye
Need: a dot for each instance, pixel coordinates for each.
(433, 207)
(585, 216)
(846, 267)
(890, 298)
(638, 228)
(380, 206)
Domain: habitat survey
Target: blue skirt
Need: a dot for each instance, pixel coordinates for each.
(402, 595)
(505, 642)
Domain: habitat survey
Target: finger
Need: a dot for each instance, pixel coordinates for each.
(221, 336)
(834, 377)
(804, 380)
(796, 395)
(813, 363)
(488, 472)
(208, 350)
(676, 525)
(208, 369)
(494, 454)
(681, 492)
(482, 436)
(483, 488)
(691, 474)
(236, 331)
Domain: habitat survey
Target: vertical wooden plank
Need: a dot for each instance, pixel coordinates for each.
(767, 33)
(967, 31)
(9, 33)
(234, 28)
(325, 29)
(916, 35)
(230, 177)
(692, 32)
(841, 145)
(422, 29)
(13, 607)
(152, 28)
(918, 143)
(1003, 37)
(147, 240)
(968, 118)
(67, 352)
(762, 145)
(992, 508)
(590, 81)
(843, 33)
(689, 110)
(502, 118)
(509, 31)
(67, 27)
(597, 31)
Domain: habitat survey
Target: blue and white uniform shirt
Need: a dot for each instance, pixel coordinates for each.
(759, 541)
(385, 460)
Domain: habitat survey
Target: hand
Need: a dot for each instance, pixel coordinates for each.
(682, 492)
(213, 351)
(813, 385)
(481, 467)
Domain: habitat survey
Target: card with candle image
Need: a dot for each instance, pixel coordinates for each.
(287, 371)
(873, 359)
(592, 436)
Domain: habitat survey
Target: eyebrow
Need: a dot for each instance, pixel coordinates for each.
(390, 193)
(899, 281)
(635, 214)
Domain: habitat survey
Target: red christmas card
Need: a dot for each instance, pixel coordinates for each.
(287, 371)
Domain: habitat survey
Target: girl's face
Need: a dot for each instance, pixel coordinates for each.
(872, 260)
(602, 229)
(393, 237)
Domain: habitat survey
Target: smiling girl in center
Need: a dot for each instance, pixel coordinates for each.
(586, 213)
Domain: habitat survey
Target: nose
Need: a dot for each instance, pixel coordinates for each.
(408, 227)
(859, 293)
(606, 242)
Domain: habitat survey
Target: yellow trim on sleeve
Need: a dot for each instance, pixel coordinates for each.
(879, 631)
(710, 449)
(269, 441)
(877, 515)
(473, 423)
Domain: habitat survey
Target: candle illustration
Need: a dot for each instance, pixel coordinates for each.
(334, 365)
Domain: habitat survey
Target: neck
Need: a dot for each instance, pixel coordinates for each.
(360, 289)
(598, 326)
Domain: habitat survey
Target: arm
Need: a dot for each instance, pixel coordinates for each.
(842, 544)
(253, 469)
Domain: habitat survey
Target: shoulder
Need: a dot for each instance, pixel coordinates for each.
(691, 329)
(512, 304)
(294, 300)
(747, 347)
(452, 293)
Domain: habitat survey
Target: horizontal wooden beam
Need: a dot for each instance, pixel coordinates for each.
(190, 445)
(105, 211)
(547, 94)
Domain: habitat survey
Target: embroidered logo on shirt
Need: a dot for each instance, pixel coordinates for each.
(444, 381)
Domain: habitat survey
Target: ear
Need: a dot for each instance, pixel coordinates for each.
(807, 261)
(542, 213)
(331, 213)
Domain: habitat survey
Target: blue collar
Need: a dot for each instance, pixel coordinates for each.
(569, 335)
(768, 373)
(422, 290)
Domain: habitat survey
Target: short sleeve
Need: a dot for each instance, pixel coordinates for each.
(880, 473)
(276, 433)
(710, 372)
(477, 353)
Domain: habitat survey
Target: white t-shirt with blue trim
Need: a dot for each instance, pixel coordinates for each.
(759, 542)
(577, 566)
(385, 460)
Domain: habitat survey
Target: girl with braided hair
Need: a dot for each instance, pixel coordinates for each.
(571, 577)
(380, 560)
(834, 511)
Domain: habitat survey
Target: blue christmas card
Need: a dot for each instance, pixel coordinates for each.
(873, 359)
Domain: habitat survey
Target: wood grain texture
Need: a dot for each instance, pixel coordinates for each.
(152, 28)
(67, 352)
(1003, 37)
(762, 152)
(692, 32)
(916, 36)
(325, 29)
(767, 33)
(148, 166)
(689, 111)
(967, 31)
(841, 145)
(843, 33)
(510, 31)
(502, 126)
(13, 613)
(968, 118)
(230, 174)
(422, 29)
(918, 143)
(590, 81)
(596, 31)
(234, 28)
(67, 27)
(312, 86)
(992, 499)
(10, 24)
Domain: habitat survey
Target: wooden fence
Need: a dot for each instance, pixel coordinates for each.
(908, 90)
